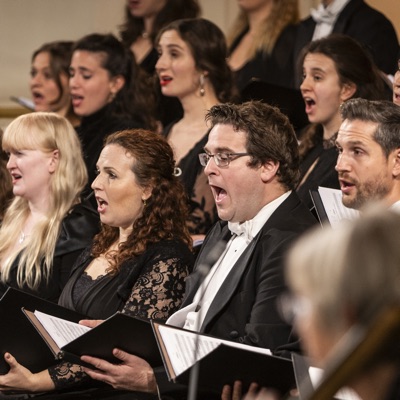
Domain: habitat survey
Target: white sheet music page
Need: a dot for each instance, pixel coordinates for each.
(181, 347)
(61, 330)
(335, 210)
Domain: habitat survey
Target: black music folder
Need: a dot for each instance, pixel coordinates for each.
(221, 362)
(67, 342)
(17, 335)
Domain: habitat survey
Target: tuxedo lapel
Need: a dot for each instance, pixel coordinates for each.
(231, 282)
(219, 232)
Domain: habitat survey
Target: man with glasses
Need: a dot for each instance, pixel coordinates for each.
(251, 160)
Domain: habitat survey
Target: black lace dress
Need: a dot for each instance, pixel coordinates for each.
(150, 286)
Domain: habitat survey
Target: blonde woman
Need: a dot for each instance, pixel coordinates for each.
(46, 226)
(261, 42)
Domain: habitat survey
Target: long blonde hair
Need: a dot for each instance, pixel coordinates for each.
(46, 132)
(284, 13)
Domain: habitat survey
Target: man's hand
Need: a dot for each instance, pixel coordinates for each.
(133, 373)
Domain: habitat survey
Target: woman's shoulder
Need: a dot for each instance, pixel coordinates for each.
(170, 248)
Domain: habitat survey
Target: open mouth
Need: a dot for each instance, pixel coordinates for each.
(37, 96)
(15, 177)
(219, 193)
(346, 186)
(76, 100)
(101, 204)
(165, 80)
(310, 103)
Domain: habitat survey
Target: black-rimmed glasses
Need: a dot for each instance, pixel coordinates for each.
(221, 159)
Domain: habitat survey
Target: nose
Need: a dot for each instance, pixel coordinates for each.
(211, 167)
(96, 184)
(161, 63)
(73, 81)
(342, 163)
(305, 85)
(11, 162)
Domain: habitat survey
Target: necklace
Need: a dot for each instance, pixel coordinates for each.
(145, 35)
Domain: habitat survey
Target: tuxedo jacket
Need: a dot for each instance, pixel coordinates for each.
(245, 307)
(365, 24)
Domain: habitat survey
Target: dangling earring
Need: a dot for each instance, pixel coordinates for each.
(111, 97)
(144, 202)
(202, 91)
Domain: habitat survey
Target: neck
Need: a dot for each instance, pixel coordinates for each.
(195, 106)
(148, 23)
(332, 127)
(124, 233)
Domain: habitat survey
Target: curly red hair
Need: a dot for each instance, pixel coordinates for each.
(165, 213)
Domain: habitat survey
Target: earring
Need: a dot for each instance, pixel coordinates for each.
(202, 91)
(144, 202)
(111, 97)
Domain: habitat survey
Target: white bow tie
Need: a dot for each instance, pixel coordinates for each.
(242, 229)
(322, 14)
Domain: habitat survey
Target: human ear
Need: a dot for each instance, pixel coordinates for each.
(117, 82)
(147, 193)
(54, 160)
(269, 170)
(396, 163)
(348, 90)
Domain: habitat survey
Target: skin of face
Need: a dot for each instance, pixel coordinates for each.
(365, 173)
(396, 88)
(90, 84)
(44, 90)
(238, 190)
(145, 8)
(119, 197)
(322, 91)
(176, 67)
(31, 172)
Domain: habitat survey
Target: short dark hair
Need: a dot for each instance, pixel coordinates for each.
(384, 113)
(270, 136)
(136, 98)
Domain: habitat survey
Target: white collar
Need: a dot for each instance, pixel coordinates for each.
(251, 227)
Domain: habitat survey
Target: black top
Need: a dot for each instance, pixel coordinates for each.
(365, 24)
(322, 158)
(151, 285)
(162, 268)
(77, 231)
(92, 132)
(202, 210)
(276, 68)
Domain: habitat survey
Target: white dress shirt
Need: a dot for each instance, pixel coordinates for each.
(325, 17)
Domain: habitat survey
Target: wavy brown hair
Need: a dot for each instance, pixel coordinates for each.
(164, 215)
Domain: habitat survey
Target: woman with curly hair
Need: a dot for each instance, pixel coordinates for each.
(261, 42)
(138, 262)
